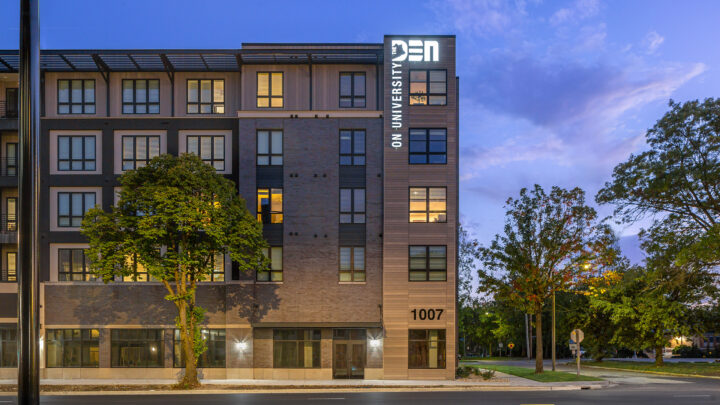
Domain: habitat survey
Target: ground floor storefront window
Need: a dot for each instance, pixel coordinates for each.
(136, 348)
(8, 346)
(73, 348)
(426, 348)
(213, 357)
(296, 348)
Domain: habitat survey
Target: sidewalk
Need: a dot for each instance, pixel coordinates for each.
(502, 382)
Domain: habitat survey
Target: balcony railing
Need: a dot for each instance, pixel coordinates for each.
(8, 166)
(8, 110)
(8, 223)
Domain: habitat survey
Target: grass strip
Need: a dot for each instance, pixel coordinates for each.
(529, 373)
(689, 369)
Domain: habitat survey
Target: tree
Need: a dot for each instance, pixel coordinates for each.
(676, 182)
(467, 254)
(173, 217)
(550, 242)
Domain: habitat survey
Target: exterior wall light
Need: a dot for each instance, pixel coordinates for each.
(375, 343)
(241, 346)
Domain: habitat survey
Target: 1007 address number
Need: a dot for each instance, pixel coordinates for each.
(424, 314)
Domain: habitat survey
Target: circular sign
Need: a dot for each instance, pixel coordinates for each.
(577, 336)
(511, 346)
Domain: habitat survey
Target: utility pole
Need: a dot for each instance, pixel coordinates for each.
(527, 337)
(553, 330)
(28, 194)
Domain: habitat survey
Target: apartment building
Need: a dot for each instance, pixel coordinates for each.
(347, 153)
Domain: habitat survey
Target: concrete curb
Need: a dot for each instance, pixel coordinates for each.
(655, 372)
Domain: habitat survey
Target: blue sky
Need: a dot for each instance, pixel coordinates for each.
(552, 92)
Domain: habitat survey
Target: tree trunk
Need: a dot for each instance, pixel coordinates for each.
(187, 336)
(659, 361)
(538, 343)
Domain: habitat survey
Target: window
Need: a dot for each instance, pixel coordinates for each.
(206, 96)
(139, 272)
(136, 348)
(352, 264)
(73, 348)
(138, 150)
(210, 148)
(76, 97)
(296, 348)
(352, 89)
(9, 271)
(428, 204)
(76, 153)
(352, 205)
(426, 348)
(11, 225)
(275, 254)
(269, 148)
(8, 346)
(213, 357)
(218, 268)
(72, 208)
(11, 158)
(428, 87)
(73, 265)
(270, 89)
(141, 96)
(352, 147)
(428, 146)
(270, 205)
(428, 263)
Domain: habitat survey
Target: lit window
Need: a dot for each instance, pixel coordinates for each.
(428, 204)
(296, 348)
(73, 265)
(352, 264)
(9, 270)
(138, 271)
(270, 89)
(428, 87)
(73, 348)
(136, 348)
(218, 268)
(275, 272)
(428, 263)
(426, 348)
(270, 205)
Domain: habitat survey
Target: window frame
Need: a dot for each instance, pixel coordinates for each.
(272, 213)
(428, 341)
(135, 159)
(83, 160)
(179, 354)
(114, 362)
(70, 216)
(70, 103)
(270, 155)
(427, 270)
(11, 162)
(427, 93)
(427, 210)
(352, 95)
(352, 271)
(212, 161)
(353, 212)
(316, 342)
(83, 343)
(87, 275)
(11, 219)
(199, 102)
(220, 275)
(353, 155)
(6, 340)
(269, 96)
(271, 272)
(5, 274)
(136, 275)
(427, 152)
(147, 103)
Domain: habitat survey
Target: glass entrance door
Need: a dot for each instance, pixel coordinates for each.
(349, 348)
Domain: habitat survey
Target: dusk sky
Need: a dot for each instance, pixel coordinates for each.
(551, 92)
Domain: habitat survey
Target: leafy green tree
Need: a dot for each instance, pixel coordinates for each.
(173, 217)
(550, 242)
(676, 182)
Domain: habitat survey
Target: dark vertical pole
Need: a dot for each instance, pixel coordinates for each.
(28, 192)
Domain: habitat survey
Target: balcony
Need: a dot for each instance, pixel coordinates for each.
(8, 116)
(8, 228)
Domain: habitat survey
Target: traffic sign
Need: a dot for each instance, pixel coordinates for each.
(573, 347)
(577, 336)
(500, 345)
(511, 346)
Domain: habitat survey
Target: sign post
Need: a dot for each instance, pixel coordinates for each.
(576, 336)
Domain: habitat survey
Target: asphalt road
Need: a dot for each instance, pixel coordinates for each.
(615, 396)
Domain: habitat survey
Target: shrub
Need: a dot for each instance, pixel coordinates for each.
(690, 352)
(487, 374)
(462, 372)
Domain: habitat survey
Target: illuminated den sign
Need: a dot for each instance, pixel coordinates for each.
(413, 50)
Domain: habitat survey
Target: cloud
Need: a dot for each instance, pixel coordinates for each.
(652, 41)
(578, 11)
(478, 17)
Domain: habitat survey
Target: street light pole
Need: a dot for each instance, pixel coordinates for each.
(28, 193)
(553, 330)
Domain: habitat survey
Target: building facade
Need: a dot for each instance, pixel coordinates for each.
(347, 153)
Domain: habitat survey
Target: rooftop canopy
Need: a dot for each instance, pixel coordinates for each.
(195, 60)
